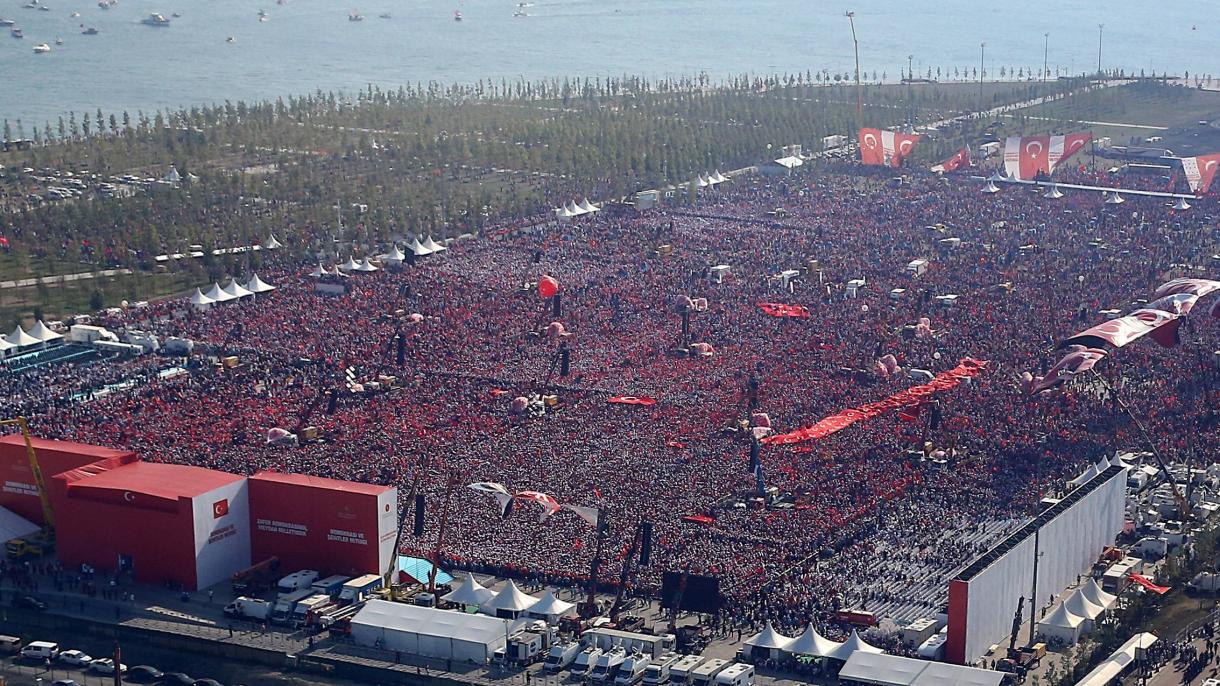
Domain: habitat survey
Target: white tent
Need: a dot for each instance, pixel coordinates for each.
(1081, 606)
(236, 289)
(1062, 624)
(6, 348)
(173, 176)
(702, 181)
(892, 670)
(198, 299)
(271, 243)
(257, 285)
(433, 245)
(812, 643)
(1115, 199)
(220, 295)
(1053, 192)
(573, 208)
(550, 608)
(428, 632)
(470, 593)
(1119, 662)
(510, 601)
(717, 177)
(853, 644)
(43, 333)
(991, 187)
(21, 339)
(588, 206)
(767, 643)
(1093, 592)
(563, 213)
(417, 249)
(319, 271)
(395, 256)
(348, 266)
(366, 266)
(1181, 205)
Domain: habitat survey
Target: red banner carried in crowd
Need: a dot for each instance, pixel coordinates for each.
(1200, 171)
(632, 400)
(885, 148)
(782, 310)
(1147, 583)
(968, 368)
(1163, 326)
(1027, 156)
(960, 159)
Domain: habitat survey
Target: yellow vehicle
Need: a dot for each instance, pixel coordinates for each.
(31, 546)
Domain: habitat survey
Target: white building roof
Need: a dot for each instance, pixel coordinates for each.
(891, 670)
(427, 621)
(1114, 665)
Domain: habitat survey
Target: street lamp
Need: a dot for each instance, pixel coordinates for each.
(910, 68)
(982, 54)
(1046, 47)
(851, 18)
(1100, 27)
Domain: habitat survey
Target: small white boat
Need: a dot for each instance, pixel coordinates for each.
(41, 48)
(7, 22)
(355, 16)
(385, 15)
(75, 15)
(16, 33)
(59, 41)
(457, 15)
(155, 19)
(89, 32)
(520, 13)
(230, 39)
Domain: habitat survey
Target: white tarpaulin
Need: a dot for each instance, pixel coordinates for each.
(428, 632)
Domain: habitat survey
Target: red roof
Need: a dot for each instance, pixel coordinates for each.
(141, 481)
(95, 451)
(320, 483)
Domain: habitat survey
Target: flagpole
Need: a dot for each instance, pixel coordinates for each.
(851, 18)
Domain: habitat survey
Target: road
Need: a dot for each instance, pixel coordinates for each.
(62, 278)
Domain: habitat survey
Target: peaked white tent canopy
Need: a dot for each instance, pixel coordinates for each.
(319, 271)
(563, 213)
(366, 266)
(236, 289)
(573, 208)
(6, 348)
(509, 601)
(1053, 192)
(1093, 592)
(21, 339)
(588, 206)
(433, 245)
(812, 643)
(271, 243)
(1081, 606)
(198, 299)
(395, 255)
(417, 249)
(767, 642)
(43, 333)
(702, 181)
(1181, 205)
(852, 644)
(173, 176)
(257, 285)
(1062, 624)
(348, 266)
(991, 187)
(717, 177)
(219, 295)
(549, 607)
(471, 593)
(1115, 199)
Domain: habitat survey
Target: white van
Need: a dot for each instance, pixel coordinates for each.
(736, 675)
(40, 650)
(680, 672)
(296, 581)
(705, 674)
(10, 645)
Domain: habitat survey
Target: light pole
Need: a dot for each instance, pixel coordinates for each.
(910, 67)
(851, 18)
(982, 54)
(1046, 48)
(1100, 27)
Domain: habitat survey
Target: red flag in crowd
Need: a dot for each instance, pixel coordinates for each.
(960, 159)
(1200, 171)
(1028, 156)
(885, 148)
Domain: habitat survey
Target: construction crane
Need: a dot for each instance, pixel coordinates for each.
(628, 566)
(18, 547)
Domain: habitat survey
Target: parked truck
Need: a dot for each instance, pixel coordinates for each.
(297, 581)
(358, 589)
(560, 656)
(649, 644)
(281, 613)
(248, 608)
(330, 586)
(309, 610)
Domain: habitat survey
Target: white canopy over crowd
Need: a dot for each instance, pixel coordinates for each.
(231, 291)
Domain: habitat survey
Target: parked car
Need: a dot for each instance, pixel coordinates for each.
(64, 682)
(144, 674)
(105, 665)
(29, 602)
(177, 679)
(75, 658)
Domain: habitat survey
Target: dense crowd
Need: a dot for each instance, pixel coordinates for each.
(867, 522)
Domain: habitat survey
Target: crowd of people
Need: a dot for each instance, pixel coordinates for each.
(860, 519)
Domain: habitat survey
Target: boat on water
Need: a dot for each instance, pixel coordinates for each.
(262, 13)
(385, 15)
(7, 22)
(41, 48)
(59, 41)
(89, 32)
(16, 33)
(230, 39)
(175, 15)
(457, 15)
(155, 19)
(74, 15)
(520, 12)
(355, 16)
(44, 8)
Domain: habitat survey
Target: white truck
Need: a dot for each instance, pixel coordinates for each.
(85, 334)
(631, 672)
(681, 671)
(331, 585)
(657, 672)
(651, 645)
(705, 674)
(310, 609)
(248, 608)
(296, 581)
(585, 660)
(606, 667)
(736, 674)
(287, 602)
(560, 656)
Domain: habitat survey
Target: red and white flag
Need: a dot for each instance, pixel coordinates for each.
(1028, 156)
(960, 159)
(1200, 171)
(885, 148)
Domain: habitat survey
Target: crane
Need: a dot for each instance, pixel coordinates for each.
(628, 566)
(20, 547)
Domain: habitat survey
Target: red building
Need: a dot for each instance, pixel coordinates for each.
(165, 522)
(19, 492)
(334, 527)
